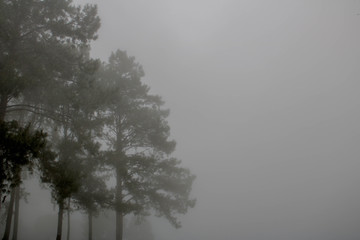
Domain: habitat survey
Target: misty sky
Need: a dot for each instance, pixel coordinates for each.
(265, 108)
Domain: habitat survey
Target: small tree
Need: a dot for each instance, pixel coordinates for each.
(63, 175)
(75, 143)
(19, 146)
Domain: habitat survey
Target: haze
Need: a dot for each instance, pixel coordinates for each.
(264, 100)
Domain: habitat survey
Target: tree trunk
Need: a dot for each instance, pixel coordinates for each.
(9, 216)
(119, 225)
(60, 220)
(68, 221)
(90, 224)
(119, 214)
(16, 214)
(3, 106)
(2, 199)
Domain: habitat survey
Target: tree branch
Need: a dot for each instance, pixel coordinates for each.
(39, 111)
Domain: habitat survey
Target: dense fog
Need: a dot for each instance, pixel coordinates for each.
(265, 110)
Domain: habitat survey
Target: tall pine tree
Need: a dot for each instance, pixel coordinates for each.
(138, 136)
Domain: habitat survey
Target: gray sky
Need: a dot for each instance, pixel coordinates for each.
(265, 107)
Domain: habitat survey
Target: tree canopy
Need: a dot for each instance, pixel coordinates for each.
(41, 43)
(100, 118)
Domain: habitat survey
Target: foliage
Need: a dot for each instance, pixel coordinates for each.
(41, 44)
(64, 174)
(19, 146)
(93, 194)
(136, 119)
(150, 182)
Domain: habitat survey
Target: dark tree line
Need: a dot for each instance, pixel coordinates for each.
(76, 120)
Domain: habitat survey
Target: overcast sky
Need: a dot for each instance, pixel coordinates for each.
(265, 108)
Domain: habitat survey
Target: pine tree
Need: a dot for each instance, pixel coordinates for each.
(138, 134)
(72, 137)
